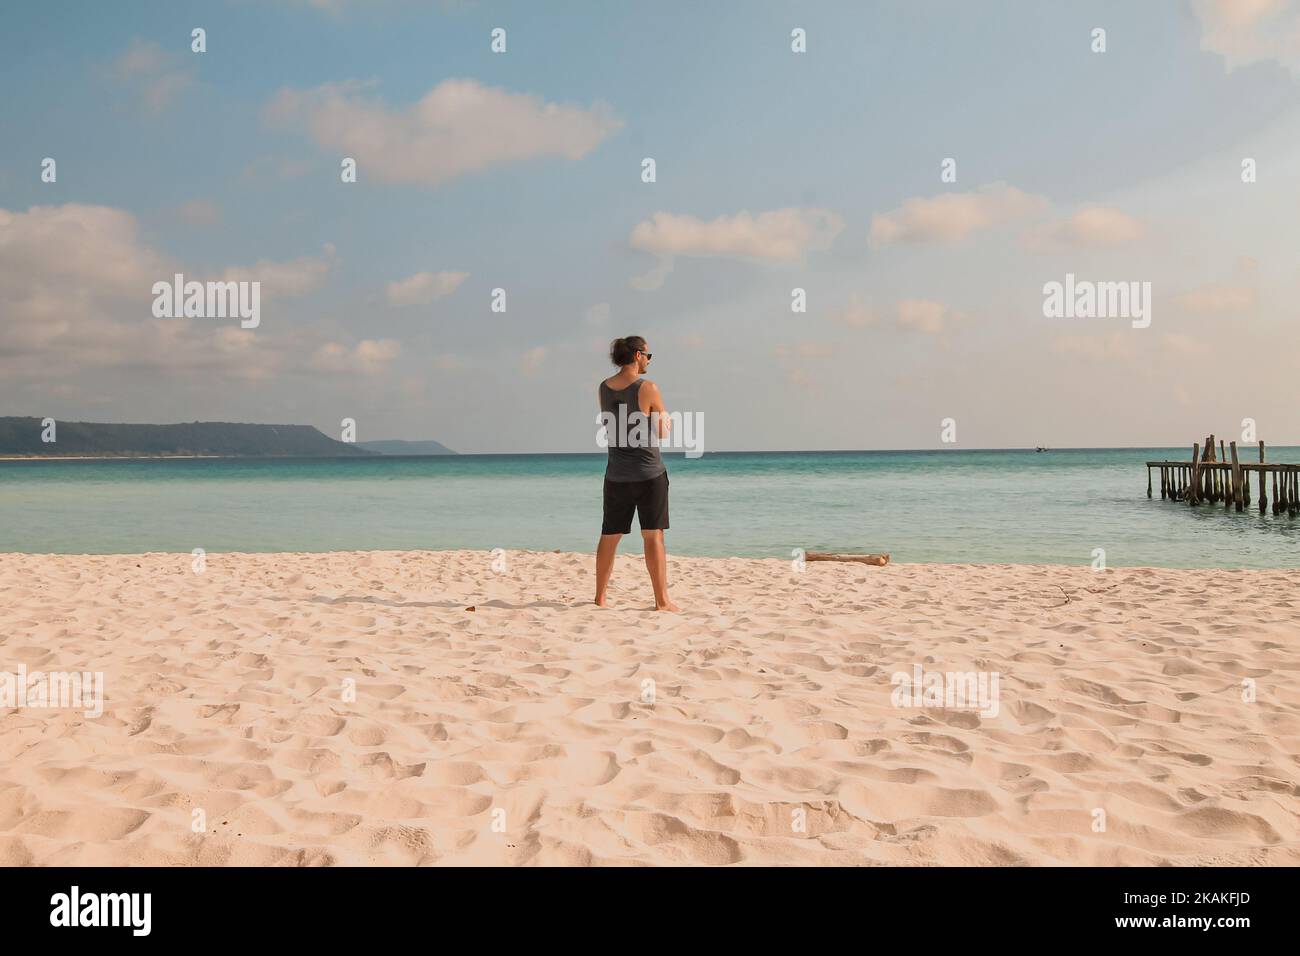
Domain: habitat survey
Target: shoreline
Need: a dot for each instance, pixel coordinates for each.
(628, 549)
(362, 708)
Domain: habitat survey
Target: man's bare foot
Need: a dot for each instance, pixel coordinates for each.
(668, 606)
(601, 602)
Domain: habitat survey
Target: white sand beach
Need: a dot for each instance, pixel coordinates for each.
(1144, 716)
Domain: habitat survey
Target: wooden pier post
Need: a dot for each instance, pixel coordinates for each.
(1202, 472)
(1236, 479)
(1263, 488)
(1219, 474)
(1206, 489)
(1217, 489)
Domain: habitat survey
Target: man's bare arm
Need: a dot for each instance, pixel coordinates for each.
(653, 399)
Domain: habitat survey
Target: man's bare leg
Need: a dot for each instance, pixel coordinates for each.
(605, 552)
(656, 562)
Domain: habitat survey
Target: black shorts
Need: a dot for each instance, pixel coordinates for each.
(649, 499)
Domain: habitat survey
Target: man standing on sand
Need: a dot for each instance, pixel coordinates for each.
(635, 477)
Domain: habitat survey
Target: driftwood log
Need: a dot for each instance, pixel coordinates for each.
(879, 560)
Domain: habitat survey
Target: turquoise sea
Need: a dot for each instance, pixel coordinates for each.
(936, 506)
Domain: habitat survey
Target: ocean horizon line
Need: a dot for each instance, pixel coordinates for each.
(600, 453)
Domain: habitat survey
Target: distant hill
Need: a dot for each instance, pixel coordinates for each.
(397, 447)
(22, 436)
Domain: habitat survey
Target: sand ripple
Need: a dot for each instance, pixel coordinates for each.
(350, 709)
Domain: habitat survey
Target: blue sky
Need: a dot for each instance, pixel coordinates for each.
(1122, 165)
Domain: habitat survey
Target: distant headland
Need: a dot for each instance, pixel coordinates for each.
(26, 437)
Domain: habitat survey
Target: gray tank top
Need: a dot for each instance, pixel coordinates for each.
(636, 460)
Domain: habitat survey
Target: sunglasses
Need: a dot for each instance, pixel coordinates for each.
(648, 355)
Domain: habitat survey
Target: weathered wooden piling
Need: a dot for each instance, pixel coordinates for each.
(1236, 480)
(1263, 495)
(1218, 474)
(1207, 474)
(1193, 487)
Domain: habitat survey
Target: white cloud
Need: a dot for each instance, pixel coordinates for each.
(855, 313)
(285, 280)
(76, 294)
(1218, 299)
(1251, 31)
(923, 315)
(1092, 226)
(1185, 344)
(458, 127)
(598, 314)
(654, 279)
(952, 217)
(368, 357)
(56, 253)
(157, 76)
(780, 235)
(423, 287)
(1114, 347)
